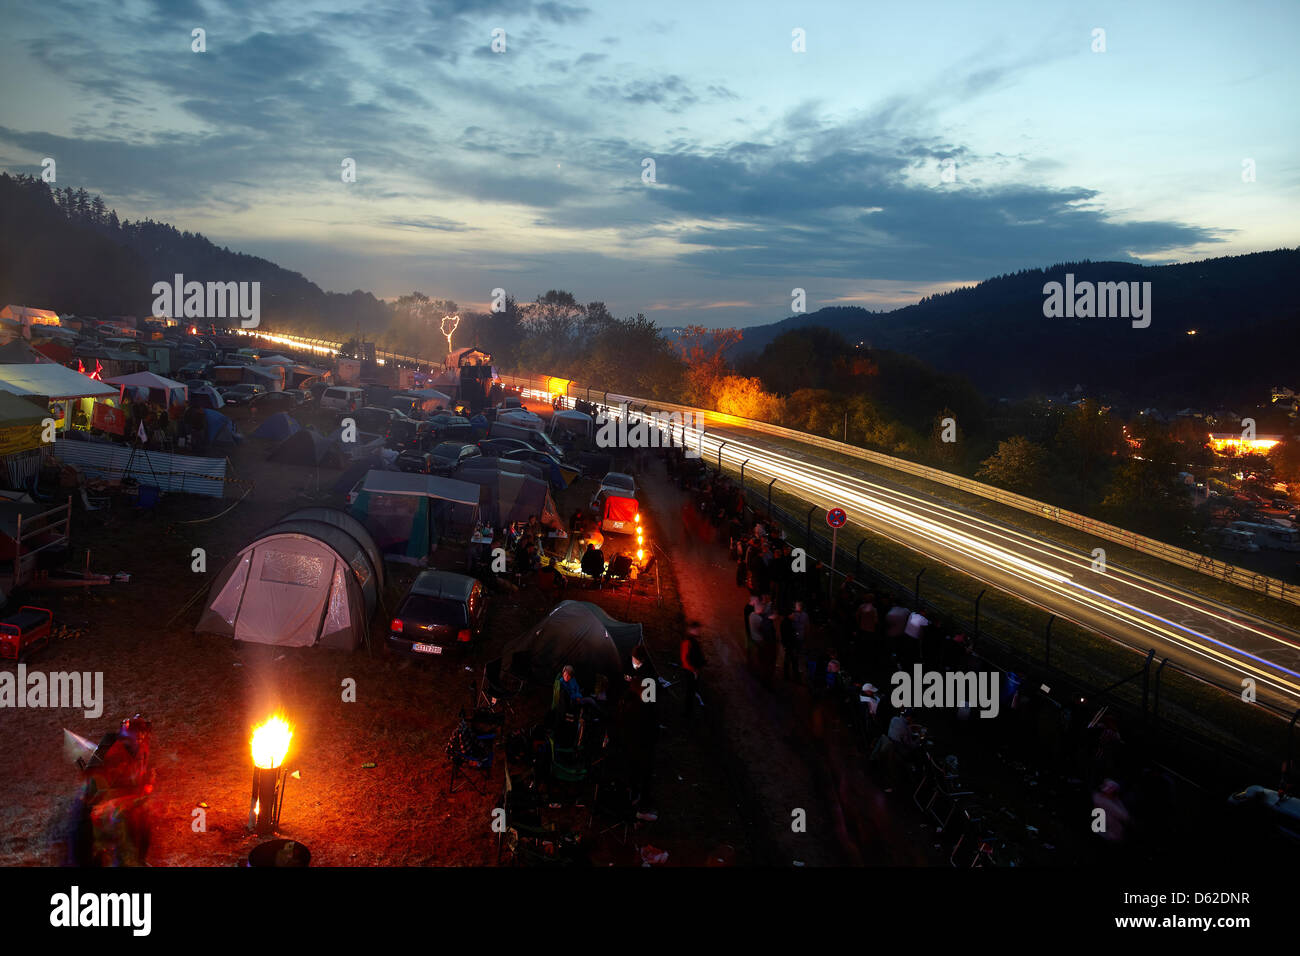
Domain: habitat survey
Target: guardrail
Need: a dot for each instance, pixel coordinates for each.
(1203, 564)
(1260, 583)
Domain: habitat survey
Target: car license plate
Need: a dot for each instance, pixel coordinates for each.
(426, 648)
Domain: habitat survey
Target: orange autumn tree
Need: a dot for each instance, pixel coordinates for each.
(704, 352)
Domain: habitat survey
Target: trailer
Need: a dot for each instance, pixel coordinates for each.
(24, 631)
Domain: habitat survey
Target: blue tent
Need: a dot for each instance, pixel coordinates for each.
(279, 426)
(221, 430)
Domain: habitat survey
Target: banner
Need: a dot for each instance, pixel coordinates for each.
(19, 438)
(109, 419)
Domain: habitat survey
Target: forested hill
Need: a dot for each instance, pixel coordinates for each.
(62, 249)
(1244, 310)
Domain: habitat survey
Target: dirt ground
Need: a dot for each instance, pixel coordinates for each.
(204, 694)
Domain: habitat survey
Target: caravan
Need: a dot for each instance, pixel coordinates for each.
(1271, 536)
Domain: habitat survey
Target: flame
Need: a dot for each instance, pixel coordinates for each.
(271, 742)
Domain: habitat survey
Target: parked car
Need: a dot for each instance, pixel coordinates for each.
(442, 428)
(450, 454)
(403, 433)
(375, 418)
(300, 396)
(442, 610)
(499, 447)
(341, 398)
(269, 403)
(551, 467)
(619, 483)
(415, 460)
(240, 394)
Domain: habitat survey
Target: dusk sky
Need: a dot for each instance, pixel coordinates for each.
(775, 169)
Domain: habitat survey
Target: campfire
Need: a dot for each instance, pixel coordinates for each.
(270, 745)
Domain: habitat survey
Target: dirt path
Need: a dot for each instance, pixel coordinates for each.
(791, 754)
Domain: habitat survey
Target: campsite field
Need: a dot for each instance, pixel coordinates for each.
(204, 694)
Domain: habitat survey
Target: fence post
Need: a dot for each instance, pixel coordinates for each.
(1155, 700)
(808, 526)
(916, 588)
(742, 475)
(769, 495)
(1146, 680)
(1047, 643)
(588, 394)
(857, 557)
(720, 447)
(979, 597)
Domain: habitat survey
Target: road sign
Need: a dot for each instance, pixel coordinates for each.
(836, 518)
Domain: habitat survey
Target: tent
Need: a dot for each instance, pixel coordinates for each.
(576, 423)
(279, 426)
(313, 579)
(220, 428)
(164, 391)
(205, 396)
(356, 471)
(577, 633)
(505, 497)
(408, 513)
(308, 448)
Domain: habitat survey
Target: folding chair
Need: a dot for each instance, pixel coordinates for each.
(473, 744)
(94, 503)
(613, 803)
(975, 842)
(948, 797)
(498, 689)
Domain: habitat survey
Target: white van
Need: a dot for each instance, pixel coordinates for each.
(1233, 539)
(342, 398)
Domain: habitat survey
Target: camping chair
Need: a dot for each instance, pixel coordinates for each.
(472, 744)
(496, 689)
(613, 803)
(620, 570)
(947, 797)
(94, 503)
(148, 497)
(974, 847)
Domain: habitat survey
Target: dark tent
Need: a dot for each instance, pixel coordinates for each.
(308, 448)
(221, 430)
(279, 426)
(356, 471)
(506, 496)
(312, 579)
(577, 633)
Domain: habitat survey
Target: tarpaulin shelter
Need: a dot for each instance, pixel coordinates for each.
(220, 429)
(408, 513)
(53, 382)
(577, 633)
(308, 448)
(279, 426)
(313, 579)
(505, 497)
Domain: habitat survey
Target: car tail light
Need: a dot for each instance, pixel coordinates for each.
(464, 636)
(396, 626)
